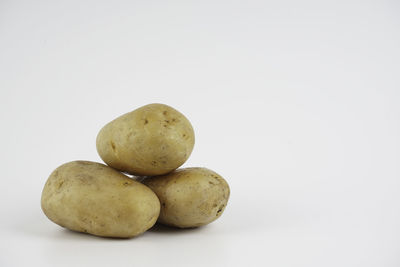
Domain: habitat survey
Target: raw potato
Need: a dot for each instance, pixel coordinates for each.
(152, 140)
(190, 197)
(93, 198)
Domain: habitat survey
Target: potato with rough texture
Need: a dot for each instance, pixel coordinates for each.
(152, 140)
(190, 197)
(93, 198)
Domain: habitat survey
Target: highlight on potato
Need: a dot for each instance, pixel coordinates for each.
(150, 142)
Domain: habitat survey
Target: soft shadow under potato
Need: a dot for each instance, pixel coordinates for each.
(165, 229)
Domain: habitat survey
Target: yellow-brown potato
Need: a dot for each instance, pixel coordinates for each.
(152, 140)
(93, 198)
(190, 197)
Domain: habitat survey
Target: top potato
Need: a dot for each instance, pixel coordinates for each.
(152, 140)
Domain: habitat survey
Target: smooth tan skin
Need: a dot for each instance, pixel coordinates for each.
(190, 197)
(152, 140)
(93, 198)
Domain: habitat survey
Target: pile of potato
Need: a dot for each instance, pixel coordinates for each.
(150, 143)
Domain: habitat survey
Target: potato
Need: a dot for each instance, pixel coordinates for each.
(190, 197)
(152, 140)
(93, 198)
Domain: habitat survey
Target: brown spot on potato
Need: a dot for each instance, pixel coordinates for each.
(113, 146)
(150, 219)
(220, 209)
(60, 184)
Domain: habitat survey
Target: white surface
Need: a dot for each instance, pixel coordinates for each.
(295, 103)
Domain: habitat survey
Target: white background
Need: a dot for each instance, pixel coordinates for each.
(295, 103)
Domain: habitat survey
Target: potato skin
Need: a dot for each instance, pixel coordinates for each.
(93, 198)
(190, 197)
(152, 140)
